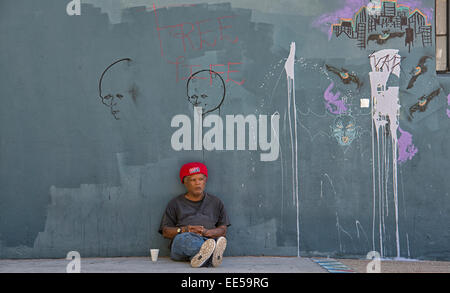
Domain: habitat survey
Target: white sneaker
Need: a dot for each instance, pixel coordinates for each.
(221, 244)
(204, 254)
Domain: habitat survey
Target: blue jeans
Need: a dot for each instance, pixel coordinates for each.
(185, 246)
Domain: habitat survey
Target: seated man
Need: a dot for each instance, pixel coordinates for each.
(196, 222)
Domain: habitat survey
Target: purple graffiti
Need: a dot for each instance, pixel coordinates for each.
(324, 22)
(448, 103)
(333, 99)
(417, 4)
(350, 7)
(406, 148)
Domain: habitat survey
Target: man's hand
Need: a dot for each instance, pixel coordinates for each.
(196, 229)
(215, 233)
(208, 233)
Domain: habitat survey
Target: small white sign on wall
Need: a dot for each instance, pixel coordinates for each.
(365, 103)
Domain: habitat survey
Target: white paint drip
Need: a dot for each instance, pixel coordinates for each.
(339, 232)
(339, 229)
(358, 224)
(385, 108)
(331, 183)
(357, 230)
(407, 241)
(290, 75)
(321, 189)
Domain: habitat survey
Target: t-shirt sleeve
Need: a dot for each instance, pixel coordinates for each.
(223, 219)
(169, 218)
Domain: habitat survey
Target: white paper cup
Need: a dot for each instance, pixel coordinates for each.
(154, 253)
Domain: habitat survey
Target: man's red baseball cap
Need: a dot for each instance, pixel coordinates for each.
(193, 168)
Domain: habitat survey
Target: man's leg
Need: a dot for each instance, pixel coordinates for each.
(185, 246)
(203, 257)
(217, 257)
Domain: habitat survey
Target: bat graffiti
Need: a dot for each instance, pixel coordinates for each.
(382, 39)
(422, 104)
(345, 75)
(418, 71)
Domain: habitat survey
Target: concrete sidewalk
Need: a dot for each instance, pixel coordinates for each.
(400, 266)
(245, 264)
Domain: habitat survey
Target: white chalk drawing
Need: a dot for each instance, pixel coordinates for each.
(385, 110)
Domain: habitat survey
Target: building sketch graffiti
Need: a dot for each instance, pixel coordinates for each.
(392, 20)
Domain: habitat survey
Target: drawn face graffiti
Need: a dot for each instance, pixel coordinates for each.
(206, 89)
(112, 97)
(344, 129)
(111, 101)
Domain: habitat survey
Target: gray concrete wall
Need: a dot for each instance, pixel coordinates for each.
(76, 175)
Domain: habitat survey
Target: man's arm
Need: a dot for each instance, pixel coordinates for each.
(215, 233)
(171, 232)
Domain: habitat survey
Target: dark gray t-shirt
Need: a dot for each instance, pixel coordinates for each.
(209, 213)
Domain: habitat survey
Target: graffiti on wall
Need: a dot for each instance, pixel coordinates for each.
(393, 20)
(422, 103)
(194, 36)
(206, 89)
(380, 21)
(448, 103)
(333, 102)
(419, 70)
(344, 129)
(386, 106)
(111, 99)
(384, 37)
(345, 76)
(406, 148)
